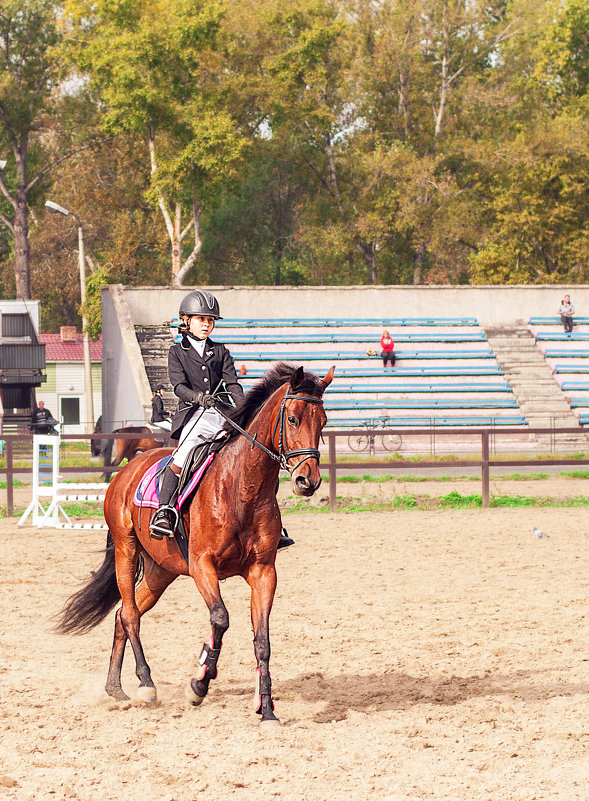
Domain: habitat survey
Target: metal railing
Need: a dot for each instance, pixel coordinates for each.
(485, 463)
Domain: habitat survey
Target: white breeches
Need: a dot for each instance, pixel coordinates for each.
(165, 424)
(202, 425)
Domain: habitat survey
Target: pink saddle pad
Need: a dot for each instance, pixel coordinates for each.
(148, 489)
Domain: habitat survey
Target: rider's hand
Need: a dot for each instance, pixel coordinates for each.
(204, 400)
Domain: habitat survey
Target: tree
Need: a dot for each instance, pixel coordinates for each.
(156, 68)
(32, 101)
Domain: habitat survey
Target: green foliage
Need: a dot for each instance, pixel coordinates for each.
(302, 141)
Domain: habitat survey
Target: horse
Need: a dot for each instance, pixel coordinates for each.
(128, 448)
(234, 527)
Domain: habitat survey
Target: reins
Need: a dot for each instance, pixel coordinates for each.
(283, 454)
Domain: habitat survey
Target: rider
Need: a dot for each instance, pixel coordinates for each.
(198, 367)
(158, 413)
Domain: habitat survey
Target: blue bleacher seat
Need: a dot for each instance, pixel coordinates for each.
(346, 322)
(557, 321)
(562, 337)
(566, 354)
(571, 368)
(421, 403)
(418, 422)
(306, 356)
(301, 339)
(398, 372)
(338, 388)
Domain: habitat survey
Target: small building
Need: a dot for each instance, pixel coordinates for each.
(63, 391)
(22, 363)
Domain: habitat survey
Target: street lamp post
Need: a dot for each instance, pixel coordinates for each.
(85, 335)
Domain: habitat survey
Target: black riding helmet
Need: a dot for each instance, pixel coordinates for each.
(201, 303)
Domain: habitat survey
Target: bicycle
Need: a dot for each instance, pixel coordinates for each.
(389, 441)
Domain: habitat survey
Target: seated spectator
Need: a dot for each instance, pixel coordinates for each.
(42, 421)
(566, 311)
(387, 349)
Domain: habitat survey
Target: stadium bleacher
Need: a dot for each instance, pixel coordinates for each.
(444, 367)
(567, 359)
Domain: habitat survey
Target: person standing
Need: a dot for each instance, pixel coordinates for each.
(387, 349)
(566, 311)
(42, 421)
(158, 411)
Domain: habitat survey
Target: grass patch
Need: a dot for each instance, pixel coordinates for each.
(73, 509)
(15, 483)
(454, 500)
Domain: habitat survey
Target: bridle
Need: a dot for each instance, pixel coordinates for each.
(284, 454)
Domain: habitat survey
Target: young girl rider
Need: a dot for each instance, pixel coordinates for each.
(196, 366)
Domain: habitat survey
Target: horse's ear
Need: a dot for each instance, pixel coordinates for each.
(328, 378)
(297, 378)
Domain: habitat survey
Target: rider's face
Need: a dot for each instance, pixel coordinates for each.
(201, 326)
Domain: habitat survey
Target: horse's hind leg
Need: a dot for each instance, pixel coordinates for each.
(154, 582)
(205, 577)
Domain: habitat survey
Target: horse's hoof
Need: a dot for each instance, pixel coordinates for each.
(148, 695)
(118, 694)
(270, 725)
(192, 697)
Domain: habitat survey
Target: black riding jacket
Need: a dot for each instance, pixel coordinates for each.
(189, 374)
(158, 412)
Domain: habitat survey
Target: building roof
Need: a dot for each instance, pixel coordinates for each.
(58, 351)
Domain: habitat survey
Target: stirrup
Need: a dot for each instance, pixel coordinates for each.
(158, 528)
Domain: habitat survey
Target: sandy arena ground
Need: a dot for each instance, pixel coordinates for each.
(416, 655)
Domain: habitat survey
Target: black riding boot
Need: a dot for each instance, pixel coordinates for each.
(284, 540)
(164, 521)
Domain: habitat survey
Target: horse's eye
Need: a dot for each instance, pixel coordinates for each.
(292, 420)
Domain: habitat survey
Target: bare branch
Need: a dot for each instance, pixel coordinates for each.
(8, 223)
(5, 192)
(73, 152)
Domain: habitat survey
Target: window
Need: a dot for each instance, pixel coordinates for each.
(70, 411)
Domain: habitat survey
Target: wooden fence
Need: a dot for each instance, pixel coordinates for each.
(484, 463)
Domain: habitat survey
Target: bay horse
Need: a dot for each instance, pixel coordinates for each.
(128, 448)
(234, 527)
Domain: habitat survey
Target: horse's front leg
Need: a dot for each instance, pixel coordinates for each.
(207, 582)
(262, 580)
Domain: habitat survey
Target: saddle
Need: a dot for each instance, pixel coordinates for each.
(198, 460)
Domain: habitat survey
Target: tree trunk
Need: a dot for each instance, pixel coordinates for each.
(419, 262)
(22, 252)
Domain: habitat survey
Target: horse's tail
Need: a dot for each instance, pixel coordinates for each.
(107, 451)
(90, 605)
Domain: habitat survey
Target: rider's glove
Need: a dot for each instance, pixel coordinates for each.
(204, 400)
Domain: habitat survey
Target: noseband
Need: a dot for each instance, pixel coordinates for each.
(283, 454)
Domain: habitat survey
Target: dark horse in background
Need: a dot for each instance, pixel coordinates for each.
(126, 448)
(234, 528)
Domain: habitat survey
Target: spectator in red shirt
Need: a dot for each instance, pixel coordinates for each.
(387, 349)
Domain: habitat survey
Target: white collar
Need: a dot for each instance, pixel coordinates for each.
(198, 345)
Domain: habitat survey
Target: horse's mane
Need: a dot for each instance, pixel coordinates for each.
(255, 398)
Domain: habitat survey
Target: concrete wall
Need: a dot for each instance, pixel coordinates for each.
(126, 391)
(126, 395)
(491, 305)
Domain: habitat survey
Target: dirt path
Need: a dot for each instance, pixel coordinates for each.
(416, 655)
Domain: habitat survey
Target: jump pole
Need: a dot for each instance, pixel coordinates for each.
(47, 485)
